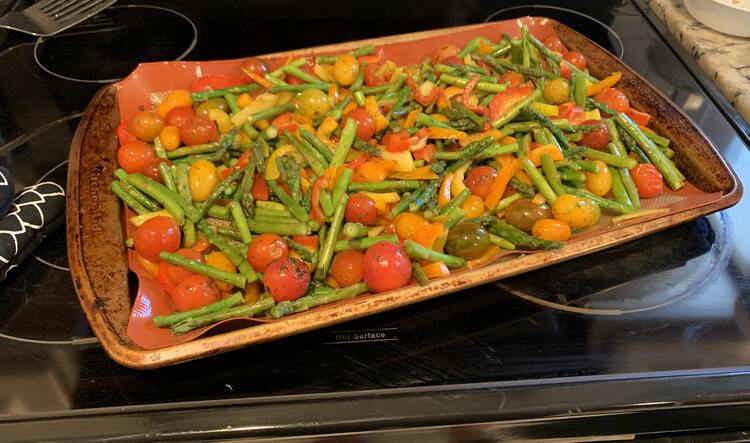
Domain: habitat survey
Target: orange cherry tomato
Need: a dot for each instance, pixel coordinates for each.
(146, 125)
(513, 78)
(480, 180)
(576, 59)
(365, 123)
(551, 229)
(648, 180)
(194, 292)
(155, 235)
(265, 249)
(613, 98)
(346, 267)
(134, 156)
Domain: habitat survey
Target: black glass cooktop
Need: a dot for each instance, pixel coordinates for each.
(669, 305)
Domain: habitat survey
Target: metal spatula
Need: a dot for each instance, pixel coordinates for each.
(48, 17)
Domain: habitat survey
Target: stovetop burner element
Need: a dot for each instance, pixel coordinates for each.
(108, 47)
(593, 28)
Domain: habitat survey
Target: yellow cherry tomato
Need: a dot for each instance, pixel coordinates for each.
(218, 260)
(556, 91)
(550, 229)
(599, 183)
(473, 206)
(147, 125)
(313, 103)
(170, 137)
(178, 97)
(578, 212)
(345, 69)
(202, 178)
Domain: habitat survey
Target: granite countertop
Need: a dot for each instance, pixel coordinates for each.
(725, 58)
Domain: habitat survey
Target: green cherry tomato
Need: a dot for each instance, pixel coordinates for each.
(467, 240)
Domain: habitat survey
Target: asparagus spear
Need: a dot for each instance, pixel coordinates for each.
(168, 320)
(418, 251)
(128, 199)
(232, 278)
(326, 253)
(264, 304)
(522, 239)
(311, 301)
(363, 243)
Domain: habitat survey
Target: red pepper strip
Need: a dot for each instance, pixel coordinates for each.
(316, 212)
(357, 161)
(437, 92)
(477, 109)
(639, 117)
(241, 163)
(425, 153)
(260, 188)
(505, 100)
(396, 141)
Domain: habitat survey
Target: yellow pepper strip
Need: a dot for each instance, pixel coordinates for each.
(510, 166)
(261, 102)
(452, 91)
(436, 269)
(333, 93)
(222, 120)
(375, 231)
(446, 134)
(508, 140)
(458, 185)
(284, 98)
(444, 196)
(605, 83)
(592, 115)
(325, 129)
(643, 128)
(382, 199)
(536, 154)
(272, 171)
(545, 109)
(488, 257)
(439, 117)
(423, 173)
(521, 175)
(259, 80)
(371, 105)
(411, 118)
(538, 199)
(332, 174)
(244, 100)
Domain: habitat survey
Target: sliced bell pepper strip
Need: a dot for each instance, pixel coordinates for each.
(493, 252)
(316, 212)
(458, 185)
(536, 154)
(423, 100)
(444, 195)
(446, 134)
(472, 83)
(603, 84)
(510, 167)
(436, 269)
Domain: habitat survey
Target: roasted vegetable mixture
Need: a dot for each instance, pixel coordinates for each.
(281, 190)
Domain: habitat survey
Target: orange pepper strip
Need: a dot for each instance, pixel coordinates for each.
(536, 154)
(646, 129)
(488, 257)
(439, 117)
(508, 140)
(509, 167)
(484, 47)
(436, 270)
(411, 118)
(521, 175)
(603, 84)
(446, 134)
(259, 80)
(444, 196)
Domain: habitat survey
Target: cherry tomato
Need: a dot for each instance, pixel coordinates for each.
(254, 65)
(597, 138)
(345, 69)
(124, 135)
(555, 44)
(577, 212)
(219, 260)
(178, 273)
(551, 229)
(371, 76)
(365, 123)
(286, 279)
(175, 98)
(309, 241)
(361, 209)
(613, 98)
(576, 59)
(473, 206)
(556, 90)
(155, 235)
(396, 141)
(648, 180)
(198, 131)
(179, 116)
(513, 78)
(146, 125)
(194, 292)
(202, 179)
(265, 249)
(386, 266)
(503, 101)
(170, 137)
(313, 103)
(346, 267)
(480, 179)
(523, 213)
(134, 156)
(212, 81)
(425, 153)
(599, 183)
(151, 170)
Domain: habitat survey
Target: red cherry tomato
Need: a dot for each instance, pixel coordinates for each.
(576, 59)
(361, 209)
(396, 141)
(480, 180)
(513, 78)
(198, 131)
(648, 180)
(613, 98)
(260, 188)
(124, 135)
(386, 266)
(569, 111)
(346, 267)
(155, 235)
(265, 249)
(146, 125)
(217, 82)
(170, 275)
(179, 116)
(555, 44)
(425, 153)
(365, 123)
(371, 76)
(194, 292)
(565, 70)
(151, 170)
(598, 138)
(503, 101)
(286, 279)
(135, 156)
(310, 241)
